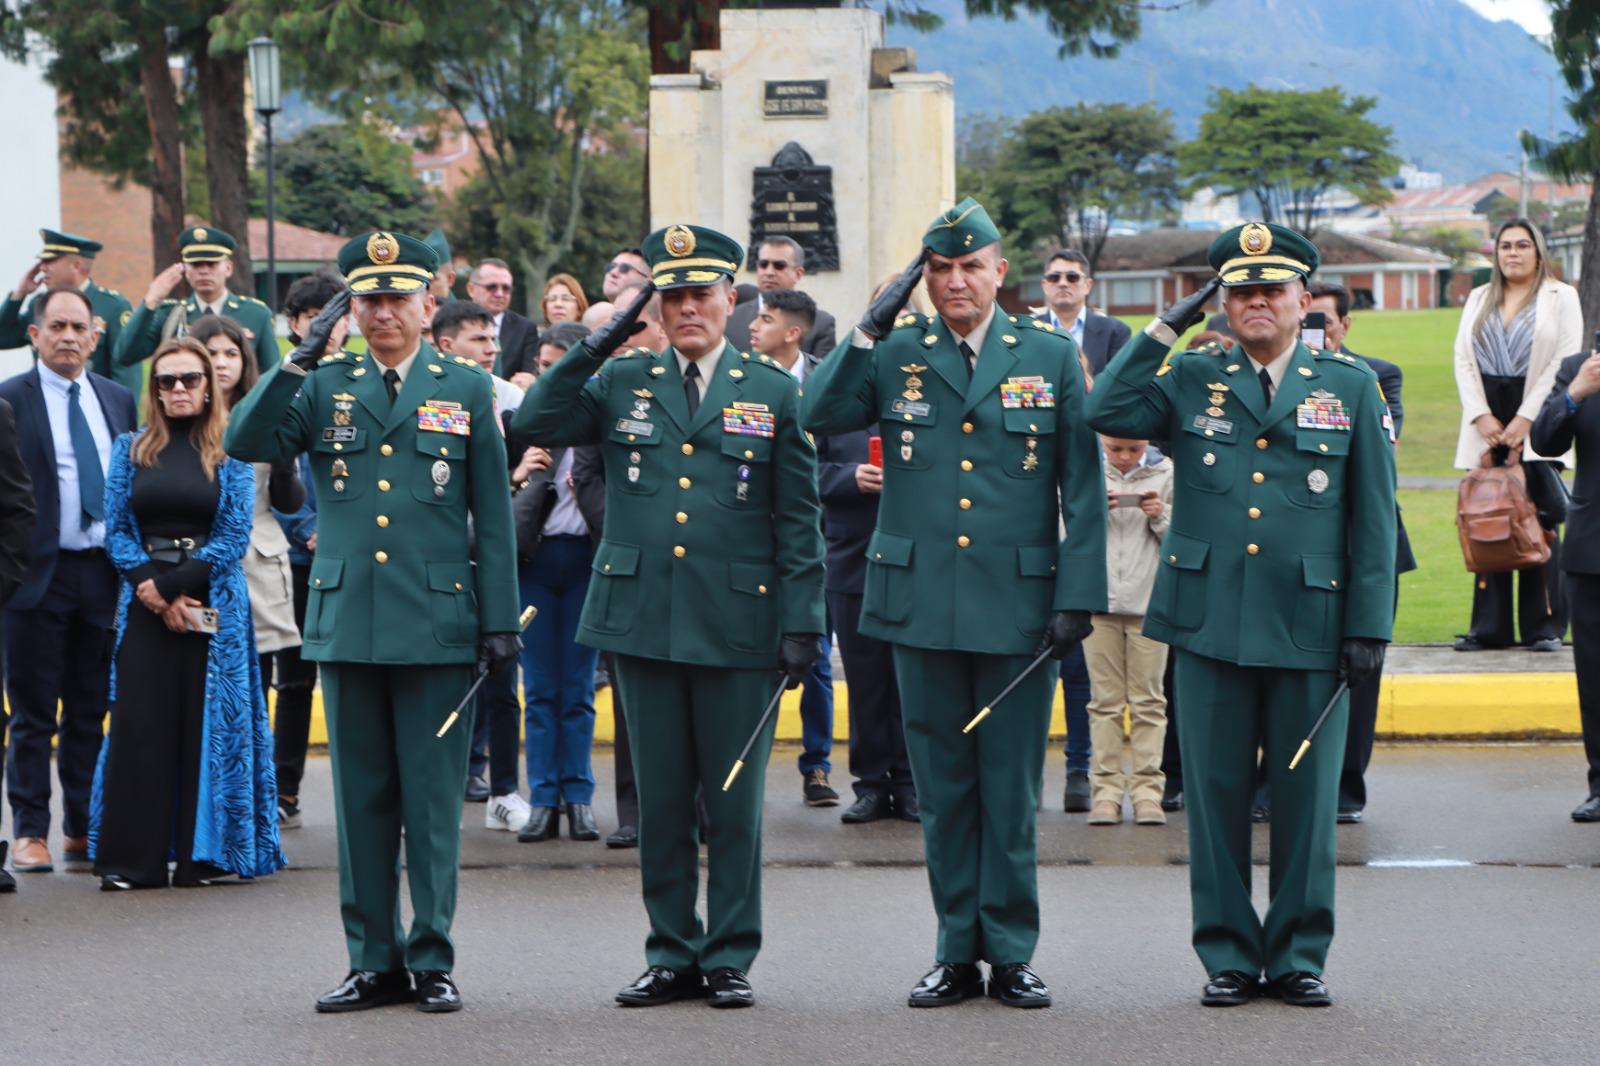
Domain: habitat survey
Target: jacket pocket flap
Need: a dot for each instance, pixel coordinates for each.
(1035, 420)
(755, 579)
(1038, 560)
(1184, 552)
(326, 573)
(1322, 441)
(1324, 571)
(450, 577)
(442, 445)
(890, 549)
(617, 560)
(747, 449)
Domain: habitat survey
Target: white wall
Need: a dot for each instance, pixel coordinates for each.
(30, 181)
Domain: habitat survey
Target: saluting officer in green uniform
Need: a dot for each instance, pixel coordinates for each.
(206, 263)
(985, 452)
(404, 449)
(708, 579)
(1276, 580)
(65, 261)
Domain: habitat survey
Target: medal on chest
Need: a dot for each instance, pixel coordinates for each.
(913, 386)
(741, 489)
(633, 467)
(1030, 460)
(641, 403)
(907, 439)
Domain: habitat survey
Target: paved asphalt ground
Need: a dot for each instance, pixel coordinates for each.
(1467, 935)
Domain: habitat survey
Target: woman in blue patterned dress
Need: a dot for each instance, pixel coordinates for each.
(186, 772)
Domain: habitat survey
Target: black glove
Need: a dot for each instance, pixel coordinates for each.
(496, 651)
(1191, 310)
(879, 319)
(797, 654)
(315, 343)
(624, 324)
(1064, 632)
(1361, 659)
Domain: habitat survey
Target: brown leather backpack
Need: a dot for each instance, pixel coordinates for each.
(1498, 523)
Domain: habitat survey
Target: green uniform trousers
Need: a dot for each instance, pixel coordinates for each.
(686, 726)
(390, 771)
(978, 794)
(1227, 709)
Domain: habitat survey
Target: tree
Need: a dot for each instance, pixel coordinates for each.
(1067, 174)
(541, 88)
(1289, 150)
(347, 178)
(1575, 41)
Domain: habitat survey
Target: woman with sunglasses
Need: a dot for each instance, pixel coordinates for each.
(187, 768)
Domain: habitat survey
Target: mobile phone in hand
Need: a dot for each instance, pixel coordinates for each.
(875, 451)
(1314, 330)
(204, 618)
(1128, 499)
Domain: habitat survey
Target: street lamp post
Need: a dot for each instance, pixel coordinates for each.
(269, 101)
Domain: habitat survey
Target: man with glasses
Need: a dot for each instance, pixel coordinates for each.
(1067, 283)
(627, 270)
(780, 264)
(490, 288)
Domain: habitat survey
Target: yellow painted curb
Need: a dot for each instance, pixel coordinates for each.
(1409, 705)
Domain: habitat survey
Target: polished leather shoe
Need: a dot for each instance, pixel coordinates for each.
(868, 807)
(1016, 985)
(1300, 989)
(727, 987)
(659, 985)
(436, 993)
(1260, 814)
(947, 983)
(1349, 815)
(1230, 988)
(75, 850)
(1587, 811)
(544, 823)
(365, 989)
(1076, 798)
(907, 809)
(1172, 796)
(477, 790)
(31, 856)
(626, 836)
(580, 822)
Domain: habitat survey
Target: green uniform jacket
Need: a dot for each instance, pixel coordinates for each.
(142, 333)
(713, 542)
(968, 552)
(394, 558)
(111, 311)
(1283, 531)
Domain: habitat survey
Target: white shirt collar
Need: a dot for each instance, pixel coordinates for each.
(57, 381)
(1279, 365)
(979, 333)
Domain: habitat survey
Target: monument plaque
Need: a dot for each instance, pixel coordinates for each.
(794, 198)
(795, 99)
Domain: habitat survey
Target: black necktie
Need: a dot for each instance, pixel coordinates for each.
(972, 360)
(691, 388)
(1266, 384)
(391, 381)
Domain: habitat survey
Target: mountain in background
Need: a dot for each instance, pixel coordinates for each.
(1454, 86)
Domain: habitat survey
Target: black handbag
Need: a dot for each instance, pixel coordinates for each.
(1547, 492)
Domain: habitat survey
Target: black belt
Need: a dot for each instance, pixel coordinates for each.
(173, 549)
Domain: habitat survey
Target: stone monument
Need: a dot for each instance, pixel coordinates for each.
(803, 124)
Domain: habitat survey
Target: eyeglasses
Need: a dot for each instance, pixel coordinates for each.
(1516, 246)
(773, 264)
(1056, 277)
(620, 267)
(495, 286)
(191, 381)
(560, 298)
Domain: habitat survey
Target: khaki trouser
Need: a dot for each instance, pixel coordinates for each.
(1125, 670)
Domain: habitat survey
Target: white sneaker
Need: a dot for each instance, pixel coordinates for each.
(509, 812)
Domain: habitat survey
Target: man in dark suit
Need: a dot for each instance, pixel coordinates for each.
(780, 264)
(1066, 285)
(1571, 416)
(517, 336)
(1333, 300)
(16, 533)
(58, 624)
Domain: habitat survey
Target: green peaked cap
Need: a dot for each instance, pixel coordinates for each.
(205, 244)
(440, 245)
(964, 228)
(387, 262)
(683, 255)
(1262, 253)
(58, 244)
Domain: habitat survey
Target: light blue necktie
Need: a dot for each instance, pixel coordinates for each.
(91, 477)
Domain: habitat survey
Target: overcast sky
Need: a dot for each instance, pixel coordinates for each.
(1532, 15)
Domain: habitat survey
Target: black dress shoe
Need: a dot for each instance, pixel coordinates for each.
(1260, 813)
(544, 823)
(906, 808)
(1587, 811)
(1172, 797)
(477, 790)
(868, 807)
(436, 993)
(1468, 642)
(1076, 798)
(1300, 989)
(580, 822)
(728, 987)
(947, 983)
(365, 989)
(7, 882)
(1349, 815)
(659, 985)
(1016, 985)
(626, 836)
(1230, 988)
(108, 883)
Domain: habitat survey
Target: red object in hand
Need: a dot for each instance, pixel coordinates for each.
(875, 451)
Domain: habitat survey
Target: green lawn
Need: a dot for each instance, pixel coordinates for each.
(1435, 598)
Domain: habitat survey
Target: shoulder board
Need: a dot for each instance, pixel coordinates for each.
(1209, 348)
(464, 363)
(252, 300)
(332, 357)
(910, 318)
(1323, 353)
(757, 359)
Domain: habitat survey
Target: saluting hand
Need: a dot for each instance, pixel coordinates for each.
(162, 284)
(1191, 310)
(879, 319)
(30, 279)
(315, 342)
(624, 324)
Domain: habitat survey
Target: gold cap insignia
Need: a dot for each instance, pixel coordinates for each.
(679, 240)
(1255, 239)
(199, 233)
(382, 247)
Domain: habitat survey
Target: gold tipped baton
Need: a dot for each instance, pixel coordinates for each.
(1305, 745)
(984, 713)
(528, 614)
(772, 708)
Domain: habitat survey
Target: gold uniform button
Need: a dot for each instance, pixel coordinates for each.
(1258, 477)
(382, 557)
(908, 418)
(1255, 512)
(1032, 428)
(383, 486)
(1172, 558)
(383, 521)
(966, 427)
(761, 589)
(1261, 442)
(963, 541)
(338, 447)
(688, 449)
(387, 449)
(1253, 549)
(966, 505)
(444, 451)
(966, 464)
(749, 455)
(682, 518)
(1333, 584)
(1322, 447)
(679, 551)
(458, 586)
(684, 482)
(606, 568)
(318, 582)
(1211, 433)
